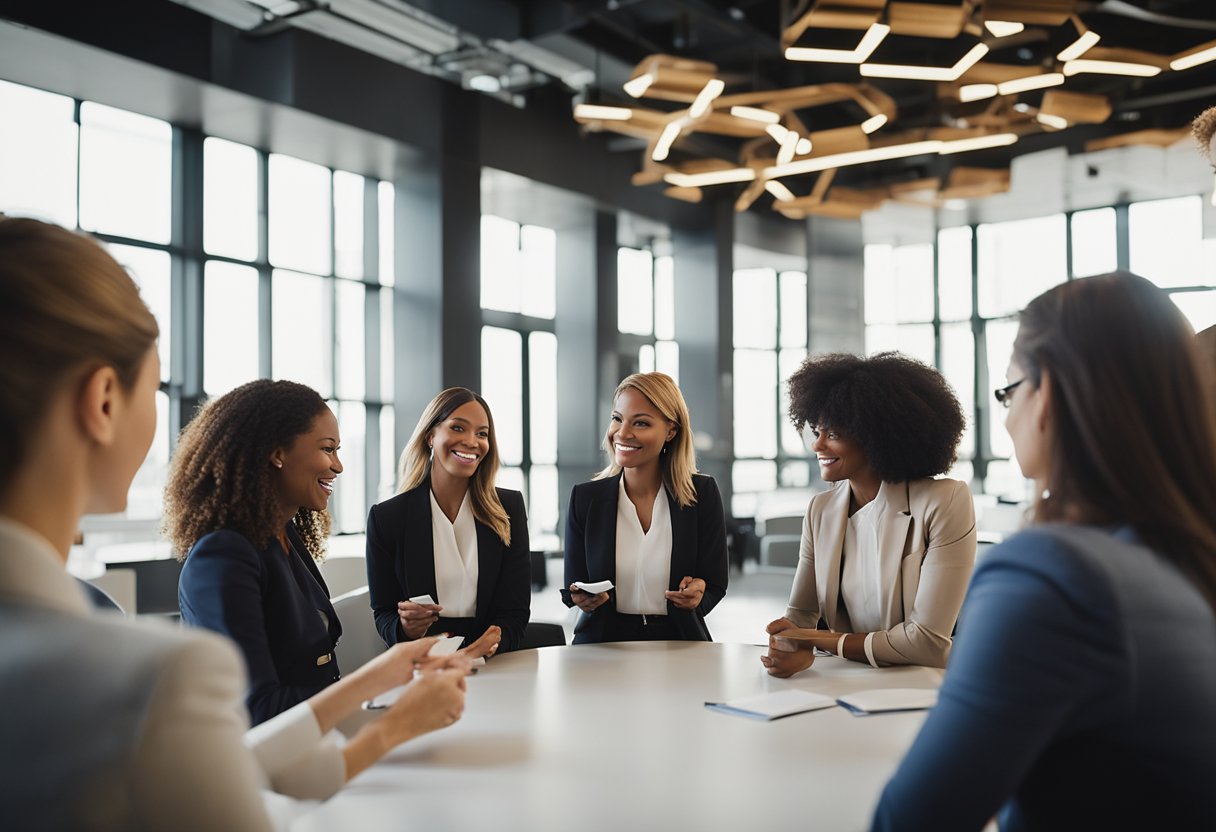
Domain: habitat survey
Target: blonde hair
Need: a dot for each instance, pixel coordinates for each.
(679, 460)
(415, 465)
(66, 306)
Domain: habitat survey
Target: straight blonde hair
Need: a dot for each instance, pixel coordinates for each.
(415, 466)
(678, 460)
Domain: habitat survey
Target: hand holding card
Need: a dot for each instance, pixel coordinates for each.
(593, 588)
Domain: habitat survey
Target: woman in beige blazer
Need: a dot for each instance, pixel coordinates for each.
(111, 724)
(887, 552)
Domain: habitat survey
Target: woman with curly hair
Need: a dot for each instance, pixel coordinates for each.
(110, 723)
(245, 505)
(1080, 691)
(887, 552)
(451, 536)
(649, 523)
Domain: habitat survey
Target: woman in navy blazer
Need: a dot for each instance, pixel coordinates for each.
(447, 477)
(246, 502)
(649, 443)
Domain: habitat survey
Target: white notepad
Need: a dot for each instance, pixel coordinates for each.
(887, 700)
(595, 588)
(768, 706)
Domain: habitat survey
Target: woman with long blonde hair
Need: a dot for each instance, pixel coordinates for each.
(649, 523)
(450, 553)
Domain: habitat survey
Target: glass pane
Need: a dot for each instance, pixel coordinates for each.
(387, 355)
(542, 499)
(499, 264)
(350, 497)
(1164, 236)
(151, 268)
(388, 454)
(144, 500)
(646, 358)
(963, 470)
(755, 308)
(348, 225)
(37, 154)
(749, 477)
(1199, 308)
(538, 258)
(913, 340)
(301, 329)
(664, 298)
(502, 387)
(755, 403)
(126, 173)
(299, 215)
(230, 326)
(1000, 335)
(879, 284)
(542, 397)
(351, 331)
(230, 199)
(795, 474)
(384, 194)
(667, 359)
(1018, 262)
(1094, 249)
(789, 361)
(1005, 480)
(914, 283)
(954, 273)
(511, 478)
(958, 366)
(793, 309)
(635, 291)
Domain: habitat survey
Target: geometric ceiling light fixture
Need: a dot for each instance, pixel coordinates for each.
(870, 41)
(670, 78)
(1130, 62)
(1061, 108)
(1200, 54)
(927, 73)
(1086, 39)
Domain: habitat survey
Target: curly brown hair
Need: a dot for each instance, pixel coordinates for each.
(220, 474)
(1203, 127)
(902, 412)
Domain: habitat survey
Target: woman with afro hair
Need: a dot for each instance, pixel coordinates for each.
(887, 552)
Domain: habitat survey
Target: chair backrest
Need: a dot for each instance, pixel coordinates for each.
(119, 586)
(542, 634)
(360, 642)
(343, 574)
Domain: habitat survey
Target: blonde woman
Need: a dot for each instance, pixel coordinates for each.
(649, 523)
(451, 535)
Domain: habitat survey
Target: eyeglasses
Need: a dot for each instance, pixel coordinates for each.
(1004, 395)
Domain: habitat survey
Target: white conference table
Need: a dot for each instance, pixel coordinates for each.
(616, 737)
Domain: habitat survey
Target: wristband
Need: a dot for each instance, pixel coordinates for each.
(870, 650)
(840, 645)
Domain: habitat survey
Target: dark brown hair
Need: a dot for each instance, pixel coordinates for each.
(1134, 439)
(66, 307)
(220, 474)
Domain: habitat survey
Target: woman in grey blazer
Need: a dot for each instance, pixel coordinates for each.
(110, 724)
(887, 552)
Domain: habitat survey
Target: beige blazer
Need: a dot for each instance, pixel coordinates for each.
(111, 724)
(926, 543)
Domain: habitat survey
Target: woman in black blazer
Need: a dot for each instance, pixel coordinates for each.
(649, 523)
(451, 535)
(246, 505)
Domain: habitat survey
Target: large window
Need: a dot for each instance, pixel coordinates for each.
(646, 313)
(297, 301)
(770, 342)
(519, 360)
(1166, 245)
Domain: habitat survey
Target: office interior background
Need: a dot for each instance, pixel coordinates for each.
(382, 199)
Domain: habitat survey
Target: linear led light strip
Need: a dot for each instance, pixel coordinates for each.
(1079, 46)
(977, 92)
(865, 47)
(755, 114)
(927, 73)
(637, 86)
(712, 89)
(666, 139)
(1195, 58)
(1003, 28)
(599, 112)
(1110, 68)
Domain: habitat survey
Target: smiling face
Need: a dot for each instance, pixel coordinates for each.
(840, 457)
(307, 469)
(460, 442)
(637, 431)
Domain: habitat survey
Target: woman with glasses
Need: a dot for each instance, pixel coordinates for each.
(887, 551)
(1080, 693)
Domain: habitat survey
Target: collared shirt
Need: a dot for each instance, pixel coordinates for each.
(860, 581)
(643, 558)
(455, 546)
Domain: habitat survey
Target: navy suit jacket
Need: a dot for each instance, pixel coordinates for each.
(698, 549)
(269, 603)
(401, 565)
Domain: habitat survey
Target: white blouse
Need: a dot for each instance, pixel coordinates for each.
(455, 545)
(643, 559)
(860, 581)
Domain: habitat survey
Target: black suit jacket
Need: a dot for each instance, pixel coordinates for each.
(401, 565)
(268, 603)
(698, 549)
